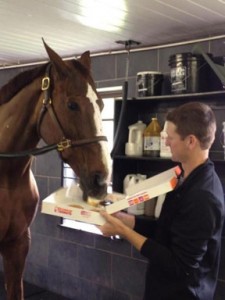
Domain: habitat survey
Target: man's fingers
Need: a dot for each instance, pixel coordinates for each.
(105, 215)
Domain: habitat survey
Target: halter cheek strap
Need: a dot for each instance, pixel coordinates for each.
(47, 107)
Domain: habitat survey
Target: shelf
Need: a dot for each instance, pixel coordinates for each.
(125, 157)
(197, 96)
(215, 156)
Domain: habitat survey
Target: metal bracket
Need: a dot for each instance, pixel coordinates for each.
(64, 144)
(45, 83)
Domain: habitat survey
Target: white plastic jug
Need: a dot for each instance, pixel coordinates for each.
(131, 179)
(134, 146)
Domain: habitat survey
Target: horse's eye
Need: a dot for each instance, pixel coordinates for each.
(73, 106)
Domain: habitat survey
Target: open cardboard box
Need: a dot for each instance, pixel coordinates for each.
(71, 206)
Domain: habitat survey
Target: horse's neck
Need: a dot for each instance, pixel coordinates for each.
(18, 119)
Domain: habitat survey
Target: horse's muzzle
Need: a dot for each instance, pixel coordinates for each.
(95, 186)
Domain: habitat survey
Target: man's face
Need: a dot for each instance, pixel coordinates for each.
(178, 146)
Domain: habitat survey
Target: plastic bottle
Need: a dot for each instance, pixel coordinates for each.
(137, 209)
(134, 146)
(164, 149)
(152, 138)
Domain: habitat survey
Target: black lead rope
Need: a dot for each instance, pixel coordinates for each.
(34, 152)
(64, 144)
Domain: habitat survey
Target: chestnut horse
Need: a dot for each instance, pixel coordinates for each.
(58, 103)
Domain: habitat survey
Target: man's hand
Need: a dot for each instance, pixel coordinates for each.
(114, 226)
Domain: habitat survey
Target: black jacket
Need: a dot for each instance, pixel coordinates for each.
(183, 247)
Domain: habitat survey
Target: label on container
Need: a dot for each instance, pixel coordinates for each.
(178, 78)
(151, 143)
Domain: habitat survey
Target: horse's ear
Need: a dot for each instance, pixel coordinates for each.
(85, 59)
(56, 60)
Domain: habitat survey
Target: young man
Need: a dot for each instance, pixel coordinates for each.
(183, 246)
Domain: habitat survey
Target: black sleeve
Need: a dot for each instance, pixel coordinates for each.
(145, 226)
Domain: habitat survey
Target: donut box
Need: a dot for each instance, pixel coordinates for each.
(68, 203)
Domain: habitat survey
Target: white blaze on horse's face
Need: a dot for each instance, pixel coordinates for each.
(92, 96)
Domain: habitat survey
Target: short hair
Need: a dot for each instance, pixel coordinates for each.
(195, 118)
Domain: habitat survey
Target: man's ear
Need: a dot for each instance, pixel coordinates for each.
(191, 141)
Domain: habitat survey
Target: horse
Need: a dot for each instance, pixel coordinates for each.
(58, 103)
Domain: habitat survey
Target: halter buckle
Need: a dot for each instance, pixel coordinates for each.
(64, 144)
(45, 83)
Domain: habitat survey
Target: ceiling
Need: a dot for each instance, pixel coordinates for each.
(66, 25)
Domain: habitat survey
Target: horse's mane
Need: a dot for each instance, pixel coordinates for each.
(26, 77)
(18, 82)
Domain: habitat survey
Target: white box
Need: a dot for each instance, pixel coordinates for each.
(64, 204)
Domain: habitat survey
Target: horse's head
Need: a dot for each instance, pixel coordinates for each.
(75, 114)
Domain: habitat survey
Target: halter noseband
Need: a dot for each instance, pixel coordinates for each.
(64, 143)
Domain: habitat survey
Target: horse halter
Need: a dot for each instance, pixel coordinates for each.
(47, 106)
(64, 143)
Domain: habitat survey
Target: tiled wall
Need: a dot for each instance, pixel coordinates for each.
(85, 266)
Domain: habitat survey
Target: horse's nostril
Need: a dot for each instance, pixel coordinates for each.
(98, 179)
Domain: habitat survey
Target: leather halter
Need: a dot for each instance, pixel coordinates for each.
(47, 106)
(64, 143)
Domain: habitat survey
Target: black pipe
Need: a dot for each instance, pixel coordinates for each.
(117, 136)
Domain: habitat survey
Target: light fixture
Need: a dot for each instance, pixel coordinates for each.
(105, 15)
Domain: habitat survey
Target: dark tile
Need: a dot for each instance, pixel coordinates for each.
(217, 47)
(31, 290)
(36, 274)
(55, 281)
(78, 236)
(42, 183)
(77, 288)
(106, 63)
(46, 224)
(49, 164)
(137, 255)
(138, 62)
(119, 246)
(94, 265)
(63, 256)
(54, 184)
(39, 249)
(8, 75)
(110, 82)
(46, 296)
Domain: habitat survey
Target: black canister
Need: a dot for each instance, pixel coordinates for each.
(149, 83)
(189, 73)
